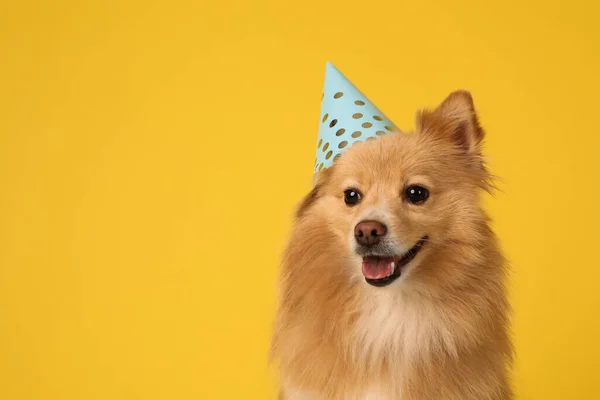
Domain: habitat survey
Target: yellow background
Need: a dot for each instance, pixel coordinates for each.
(151, 153)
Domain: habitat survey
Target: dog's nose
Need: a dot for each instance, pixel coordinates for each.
(368, 233)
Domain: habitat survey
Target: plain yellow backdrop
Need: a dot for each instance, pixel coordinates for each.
(151, 153)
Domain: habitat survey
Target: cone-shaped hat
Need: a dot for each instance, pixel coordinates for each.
(347, 117)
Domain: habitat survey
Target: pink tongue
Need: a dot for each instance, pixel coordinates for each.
(376, 267)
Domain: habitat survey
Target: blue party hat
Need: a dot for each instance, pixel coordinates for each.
(347, 117)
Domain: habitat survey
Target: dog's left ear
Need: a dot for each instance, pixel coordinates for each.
(454, 120)
(320, 179)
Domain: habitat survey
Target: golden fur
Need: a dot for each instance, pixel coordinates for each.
(439, 332)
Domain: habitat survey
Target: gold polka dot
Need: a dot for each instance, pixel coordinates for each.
(322, 95)
(359, 103)
(357, 115)
(340, 132)
(356, 134)
(367, 125)
(338, 95)
(370, 138)
(326, 147)
(320, 166)
(343, 144)
(379, 133)
(325, 117)
(332, 123)
(337, 157)
(377, 118)
(328, 155)
(320, 143)
(389, 128)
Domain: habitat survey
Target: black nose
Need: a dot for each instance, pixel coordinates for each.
(368, 233)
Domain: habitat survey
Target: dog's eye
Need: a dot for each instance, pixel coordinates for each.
(352, 197)
(416, 194)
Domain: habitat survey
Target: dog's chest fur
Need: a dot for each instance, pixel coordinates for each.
(370, 394)
(391, 333)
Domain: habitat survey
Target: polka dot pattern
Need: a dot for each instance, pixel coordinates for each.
(347, 117)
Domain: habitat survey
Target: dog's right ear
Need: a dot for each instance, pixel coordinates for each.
(454, 121)
(321, 178)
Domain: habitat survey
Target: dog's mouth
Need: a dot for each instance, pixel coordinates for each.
(382, 270)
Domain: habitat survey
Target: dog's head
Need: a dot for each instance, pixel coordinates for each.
(389, 204)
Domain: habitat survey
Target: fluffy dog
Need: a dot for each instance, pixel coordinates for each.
(392, 284)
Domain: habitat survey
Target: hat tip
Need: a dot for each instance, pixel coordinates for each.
(331, 70)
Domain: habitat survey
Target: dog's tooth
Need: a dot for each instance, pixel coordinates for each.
(393, 268)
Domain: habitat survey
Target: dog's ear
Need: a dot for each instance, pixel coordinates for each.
(321, 178)
(454, 120)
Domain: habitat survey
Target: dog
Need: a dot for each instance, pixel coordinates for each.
(392, 285)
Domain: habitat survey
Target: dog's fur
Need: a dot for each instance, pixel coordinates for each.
(439, 332)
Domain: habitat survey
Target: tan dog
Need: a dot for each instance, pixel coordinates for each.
(392, 284)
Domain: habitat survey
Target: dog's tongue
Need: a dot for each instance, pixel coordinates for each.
(376, 267)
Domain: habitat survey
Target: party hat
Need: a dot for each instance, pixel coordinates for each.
(347, 117)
